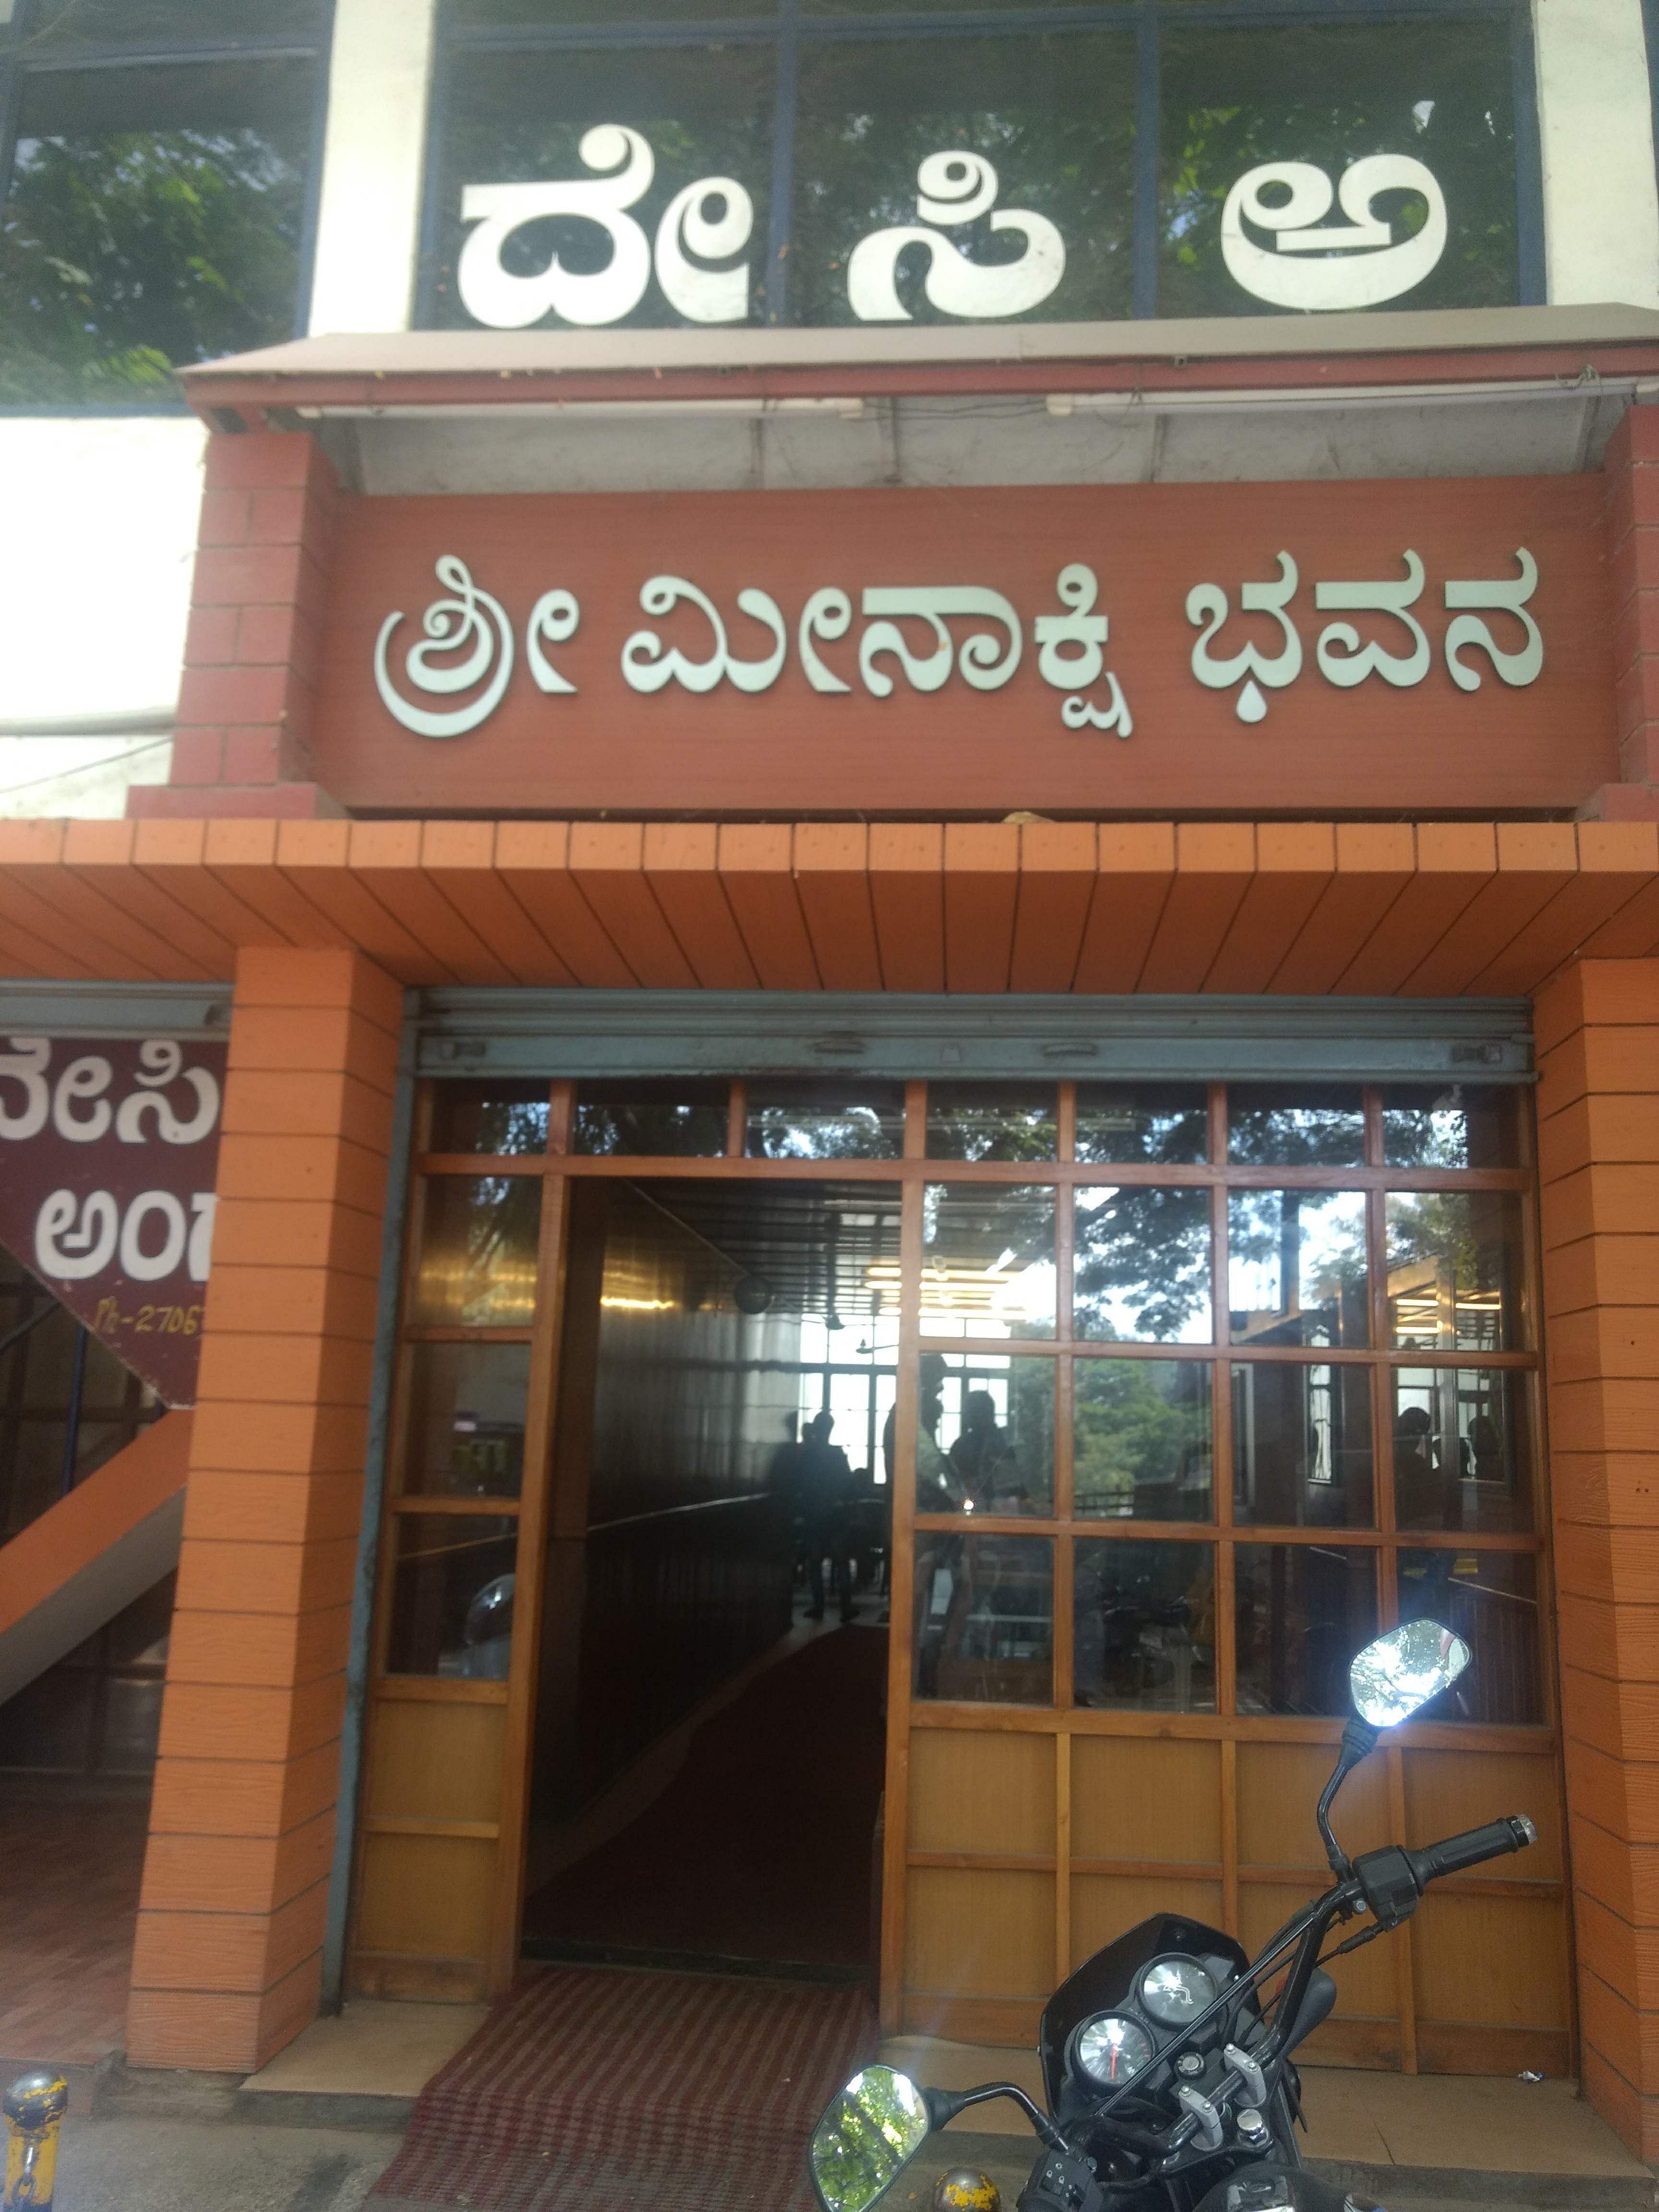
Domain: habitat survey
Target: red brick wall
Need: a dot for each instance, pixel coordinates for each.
(242, 744)
(1598, 1038)
(227, 1959)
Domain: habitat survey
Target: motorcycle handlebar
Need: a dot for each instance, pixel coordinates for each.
(1455, 1853)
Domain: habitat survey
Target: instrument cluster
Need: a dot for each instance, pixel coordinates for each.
(1110, 2048)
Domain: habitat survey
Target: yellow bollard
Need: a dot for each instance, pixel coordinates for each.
(34, 2107)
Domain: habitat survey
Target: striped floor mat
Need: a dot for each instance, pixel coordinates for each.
(621, 2090)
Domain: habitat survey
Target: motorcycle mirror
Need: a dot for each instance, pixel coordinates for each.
(1391, 1678)
(871, 2129)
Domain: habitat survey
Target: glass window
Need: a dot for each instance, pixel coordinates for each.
(1164, 1125)
(1456, 1271)
(1438, 96)
(1142, 1264)
(1428, 1125)
(985, 1434)
(1296, 1126)
(1143, 1617)
(53, 23)
(1141, 1445)
(489, 1117)
(522, 119)
(1300, 1611)
(1461, 1454)
(682, 1120)
(987, 1263)
(1042, 130)
(154, 217)
(804, 1119)
(1301, 1446)
(984, 1619)
(452, 1595)
(466, 1413)
(988, 1121)
(515, 15)
(477, 1263)
(1296, 1267)
(1491, 1600)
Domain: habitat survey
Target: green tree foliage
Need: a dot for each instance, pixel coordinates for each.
(1138, 1424)
(126, 253)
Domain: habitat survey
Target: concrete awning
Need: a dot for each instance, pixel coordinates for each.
(1434, 909)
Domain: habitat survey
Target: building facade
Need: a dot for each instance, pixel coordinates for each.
(935, 715)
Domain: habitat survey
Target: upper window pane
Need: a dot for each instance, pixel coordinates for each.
(1142, 1267)
(1278, 1125)
(154, 219)
(553, 125)
(805, 1120)
(987, 1263)
(1167, 1125)
(1296, 1267)
(678, 1119)
(489, 1117)
(943, 180)
(1309, 102)
(1431, 1125)
(992, 1121)
(985, 1434)
(147, 22)
(1141, 1447)
(1301, 1446)
(1456, 1271)
(478, 1243)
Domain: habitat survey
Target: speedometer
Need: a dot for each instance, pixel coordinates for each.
(1174, 1991)
(1111, 2050)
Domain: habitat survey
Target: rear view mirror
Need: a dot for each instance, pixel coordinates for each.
(1402, 1670)
(873, 2129)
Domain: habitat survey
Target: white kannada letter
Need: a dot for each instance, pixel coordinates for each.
(828, 613)
(706, 295)
(130, 1119)
(1352, 664)
(492, 294)
(1514, 668)
(87, 1077)
(68, 1254)
(955, 188)
(1360, 265)
(27, 1064)
(199, 1257)
(1207, 603)
(151, 1268)
(555, 616)
(647, 665)
(1078, 588)
(471, 619)
(1080, 714)
(986, 661)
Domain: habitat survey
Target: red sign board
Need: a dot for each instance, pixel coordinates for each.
(109, 1155)
(1295, 647)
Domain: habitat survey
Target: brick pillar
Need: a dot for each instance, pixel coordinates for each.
(1598, 1038)
(1632, 552)
(228, 1954)
(242, 745)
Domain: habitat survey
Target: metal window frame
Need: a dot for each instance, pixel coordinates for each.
(18, 65)
(512, 1033)
(112, 1010)
(791, 32)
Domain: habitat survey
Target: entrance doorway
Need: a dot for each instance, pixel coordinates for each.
(1190, 1388)
(709, 1738)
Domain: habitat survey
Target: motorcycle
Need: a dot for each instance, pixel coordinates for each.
(1168, 2075)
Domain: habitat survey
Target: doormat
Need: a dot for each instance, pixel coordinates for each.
(621, 2090)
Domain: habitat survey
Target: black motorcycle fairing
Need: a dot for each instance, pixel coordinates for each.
(1106, 1983)
(1267, 2187)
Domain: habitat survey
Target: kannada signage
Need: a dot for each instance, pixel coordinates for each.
(1299, 646)
(108, 1156)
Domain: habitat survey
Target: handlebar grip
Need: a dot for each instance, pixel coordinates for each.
(1455, 1853)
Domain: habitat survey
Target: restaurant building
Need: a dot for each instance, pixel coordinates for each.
(939, 715)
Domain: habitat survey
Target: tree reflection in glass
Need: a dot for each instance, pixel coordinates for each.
(1296, 1267)
(1455, 1270)
(1142, 1267)
(478, 1240)
(1141, 1446)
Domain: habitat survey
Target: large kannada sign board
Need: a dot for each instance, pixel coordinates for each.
(109, 1152)
(1298, 647)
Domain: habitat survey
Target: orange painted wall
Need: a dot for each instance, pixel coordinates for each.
(226, 1968)
(1598, 1040)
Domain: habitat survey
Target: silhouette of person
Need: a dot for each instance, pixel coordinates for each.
(982, 1455)
(826, 1488)
(1426, 1495)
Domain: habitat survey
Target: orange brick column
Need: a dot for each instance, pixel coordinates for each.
(227, 1963)
(1598, 1039)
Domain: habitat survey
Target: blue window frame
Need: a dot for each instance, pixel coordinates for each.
(823, 162)
(160, 163)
